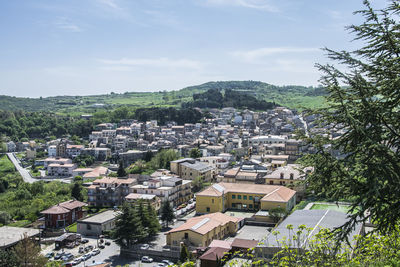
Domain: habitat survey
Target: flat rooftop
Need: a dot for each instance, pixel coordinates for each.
(11, 235)
(101, 217)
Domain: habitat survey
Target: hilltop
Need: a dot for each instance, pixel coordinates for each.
(292, 96)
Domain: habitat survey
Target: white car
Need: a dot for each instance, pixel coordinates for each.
(95, 252)
(145, 246)
(147, 259)
(167, 262)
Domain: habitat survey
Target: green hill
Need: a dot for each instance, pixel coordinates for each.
(292, 96)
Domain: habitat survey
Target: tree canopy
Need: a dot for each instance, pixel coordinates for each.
(364, 101)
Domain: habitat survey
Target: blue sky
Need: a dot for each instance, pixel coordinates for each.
(81, 47)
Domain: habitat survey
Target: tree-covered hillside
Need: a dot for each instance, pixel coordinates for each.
(291, 96)
(214, 98)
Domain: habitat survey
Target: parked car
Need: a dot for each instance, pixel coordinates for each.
(147, 259)
(50, 255)
(160, 265)
(167, 262)
(68, 264)
(107, 243)
(81, 250)
(76, 261)
(58, 255)
(84, 241)
(145, 246)
(67, 257)
(87, 256)
(95, 252)
(102, 246)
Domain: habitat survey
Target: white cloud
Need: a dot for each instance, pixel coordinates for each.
(67, 25)
(254, 55)
(254, 4)
(156, 62)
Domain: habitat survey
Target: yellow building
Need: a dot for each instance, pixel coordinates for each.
(200, 231)
(252, 197)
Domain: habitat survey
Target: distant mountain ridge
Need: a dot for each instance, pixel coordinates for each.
(293, 96)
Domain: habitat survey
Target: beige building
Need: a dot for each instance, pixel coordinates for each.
(190, 169)
(202, 230)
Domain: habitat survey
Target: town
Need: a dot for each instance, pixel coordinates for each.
(202, 133)
(222, 186)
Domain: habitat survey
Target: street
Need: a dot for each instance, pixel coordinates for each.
(24, 173)
(26, 176)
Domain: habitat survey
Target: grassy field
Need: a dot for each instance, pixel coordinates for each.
(341, 208)
(72, 228)
(6, 165)
(21, 223)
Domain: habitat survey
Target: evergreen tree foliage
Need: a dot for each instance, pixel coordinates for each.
(153, 224)
(184, 255)
(121, 170)
(28, 253)
(195, 153)
(167, 213)
(8, 258)
(76, 191)
(129, 226)
(364, 103)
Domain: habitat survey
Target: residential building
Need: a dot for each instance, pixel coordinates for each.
(109, 191)
(89, 173)
(73, 151)
(63, 214)
(288, 176)
(167, 188)
(222, 196)
(56, 160)
(190, 169)
(202, 230)
(11, 146)
(155, 201)
(96, 225)
(60, 170)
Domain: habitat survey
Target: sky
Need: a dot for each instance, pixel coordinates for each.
(85, 47)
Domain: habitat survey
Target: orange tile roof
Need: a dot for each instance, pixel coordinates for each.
(205, 223)
(271, 192)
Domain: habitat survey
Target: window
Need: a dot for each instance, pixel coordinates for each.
(88, 227)
(239, 196)
(212, 200)
(250, 206)
(271, 182)
(244, 197)
(291, 176)
(186, 235)
(250, 197)
(281, 175)
(208, 209)
(233, 196)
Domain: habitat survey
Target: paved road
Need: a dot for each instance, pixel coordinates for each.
(27, 176)
(24, 173)
(305, 124)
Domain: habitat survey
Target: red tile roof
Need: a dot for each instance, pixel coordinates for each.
(213, 253)
(64, 207)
